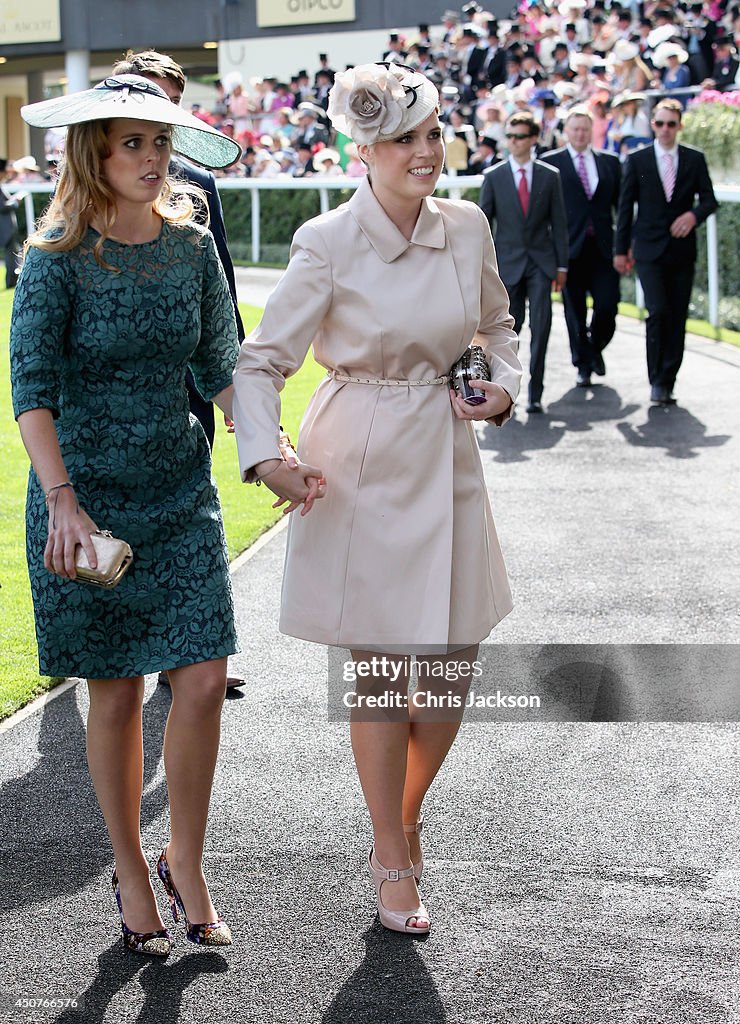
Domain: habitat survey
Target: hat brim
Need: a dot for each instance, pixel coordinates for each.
(192, 138)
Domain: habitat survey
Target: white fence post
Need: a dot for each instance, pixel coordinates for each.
(713, 270)
(324, 200)
(255, 225)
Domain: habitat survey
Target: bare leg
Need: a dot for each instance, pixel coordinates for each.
(115, 754)
(430, 740)
(380, 755)
(190, 749)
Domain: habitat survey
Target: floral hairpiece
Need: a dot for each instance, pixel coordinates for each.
(369, 101)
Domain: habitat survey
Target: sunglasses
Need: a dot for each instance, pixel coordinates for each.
(510, 136)
(666, 124)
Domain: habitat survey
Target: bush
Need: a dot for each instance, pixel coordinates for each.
(281, 213)
(713, 128)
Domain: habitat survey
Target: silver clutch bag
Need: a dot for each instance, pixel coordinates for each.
(114, 557)
(471, 365)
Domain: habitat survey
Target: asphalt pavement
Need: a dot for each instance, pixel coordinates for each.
(578, 871)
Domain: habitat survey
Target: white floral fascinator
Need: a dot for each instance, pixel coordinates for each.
(379, 102)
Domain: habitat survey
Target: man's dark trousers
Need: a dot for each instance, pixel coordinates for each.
(667, 287)
(590, 273)
(536, 286)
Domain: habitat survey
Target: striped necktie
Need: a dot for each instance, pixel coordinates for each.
(669, 175)
(583, 175)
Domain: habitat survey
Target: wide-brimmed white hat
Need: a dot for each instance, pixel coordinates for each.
(567, 6)
(137, 98)
(666, 50)
(661, 35)
(628, 97)
(623, 49)
(565, 90)
(580, 60)
(326, 154)
(378, 103)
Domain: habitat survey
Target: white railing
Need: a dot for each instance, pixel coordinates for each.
(453, 185)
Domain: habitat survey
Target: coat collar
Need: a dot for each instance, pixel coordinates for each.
(382, 233)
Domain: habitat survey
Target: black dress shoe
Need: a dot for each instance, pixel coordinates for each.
(534, 407)
(659, 394)
(583, 380)
(598, 365)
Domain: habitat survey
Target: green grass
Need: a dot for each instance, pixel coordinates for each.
(247, 514)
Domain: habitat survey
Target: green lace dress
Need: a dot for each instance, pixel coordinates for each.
(107, 353)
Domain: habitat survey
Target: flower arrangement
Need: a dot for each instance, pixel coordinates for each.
(711, 124)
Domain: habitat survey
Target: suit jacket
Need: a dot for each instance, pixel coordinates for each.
(8, 221)
(649, 233)
(541, 235)
(203, 178)
(724, 73)
(600, 209)
(495, 72)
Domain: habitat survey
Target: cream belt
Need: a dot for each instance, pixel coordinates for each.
(335, 375)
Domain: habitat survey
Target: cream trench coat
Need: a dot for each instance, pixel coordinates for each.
(401, 554)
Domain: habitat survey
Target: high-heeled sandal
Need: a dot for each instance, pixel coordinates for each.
(396, 920)
(157, 943)
(417, 827)
(212, 933)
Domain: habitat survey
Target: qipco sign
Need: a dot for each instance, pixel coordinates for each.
(271, 13)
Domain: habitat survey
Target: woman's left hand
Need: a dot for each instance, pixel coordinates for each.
(497, 401)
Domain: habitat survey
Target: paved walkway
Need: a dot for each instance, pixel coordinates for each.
(578, 872)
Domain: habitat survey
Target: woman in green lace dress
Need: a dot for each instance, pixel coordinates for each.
(120, 292)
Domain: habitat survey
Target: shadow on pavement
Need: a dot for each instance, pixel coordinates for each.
(391, 986)
(164, 987)
(673, 428)
(581, 407)
(574, 412)
(51, 813)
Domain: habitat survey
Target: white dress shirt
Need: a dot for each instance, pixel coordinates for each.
(528, 169)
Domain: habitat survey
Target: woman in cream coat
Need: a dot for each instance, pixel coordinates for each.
(400, 553)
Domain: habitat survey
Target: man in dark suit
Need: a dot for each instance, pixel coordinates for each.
(673, 191)
(591, 189)
(726, 64)
(523, 201)
(494, 63)
(9, 241)
(169, 76)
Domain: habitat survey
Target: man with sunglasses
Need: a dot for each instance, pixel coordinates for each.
(673, 191)
(523, 200)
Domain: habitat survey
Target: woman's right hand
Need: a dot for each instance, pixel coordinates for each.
(69, 525)
(292, 481)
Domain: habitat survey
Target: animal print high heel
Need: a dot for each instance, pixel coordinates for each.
(212, 933)
(157, 943)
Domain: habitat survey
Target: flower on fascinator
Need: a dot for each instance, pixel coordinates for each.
(367, 102)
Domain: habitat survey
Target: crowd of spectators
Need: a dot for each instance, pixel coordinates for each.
(549, 56)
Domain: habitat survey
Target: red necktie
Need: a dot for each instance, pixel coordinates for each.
(523, 191)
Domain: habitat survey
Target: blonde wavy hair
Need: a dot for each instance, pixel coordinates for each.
(82, 195)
